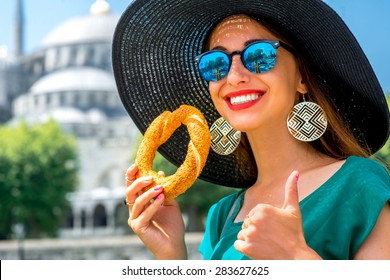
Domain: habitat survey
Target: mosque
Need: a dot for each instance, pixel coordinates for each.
(69, 78)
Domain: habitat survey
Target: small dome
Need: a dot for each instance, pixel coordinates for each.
(97, 27)
(75, 79)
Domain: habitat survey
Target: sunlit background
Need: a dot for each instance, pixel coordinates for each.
(67, 141)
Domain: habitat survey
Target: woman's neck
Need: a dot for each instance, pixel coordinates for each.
(277, 154)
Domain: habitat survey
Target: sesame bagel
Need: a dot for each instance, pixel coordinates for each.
(158, 133)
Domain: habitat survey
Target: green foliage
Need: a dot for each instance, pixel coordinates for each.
(383, 155)
(37, 169)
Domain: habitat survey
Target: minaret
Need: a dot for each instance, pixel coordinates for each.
(19, 30)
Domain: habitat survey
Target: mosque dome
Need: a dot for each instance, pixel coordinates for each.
(75, 79)
(98, 26)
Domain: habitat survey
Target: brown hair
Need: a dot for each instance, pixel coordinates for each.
(338, 141)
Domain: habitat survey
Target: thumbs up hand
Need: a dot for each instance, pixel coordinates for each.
(270, 232)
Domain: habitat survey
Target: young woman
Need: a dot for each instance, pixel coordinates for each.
(310, 112)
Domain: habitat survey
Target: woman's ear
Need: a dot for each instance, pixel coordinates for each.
(301, 88)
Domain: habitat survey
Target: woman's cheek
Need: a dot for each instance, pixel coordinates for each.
(214, 89)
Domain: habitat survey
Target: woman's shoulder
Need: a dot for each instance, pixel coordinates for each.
(361, 167)
(357, 178)
(371, 164)
(365, 173)
(345, 209)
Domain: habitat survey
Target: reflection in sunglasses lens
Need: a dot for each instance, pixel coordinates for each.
(214, 66)
(257, 58)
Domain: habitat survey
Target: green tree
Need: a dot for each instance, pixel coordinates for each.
(384, 154)
(38, 167)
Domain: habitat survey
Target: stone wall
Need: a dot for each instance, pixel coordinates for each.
(92, 248)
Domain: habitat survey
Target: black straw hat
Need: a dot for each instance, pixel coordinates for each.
(156, 42)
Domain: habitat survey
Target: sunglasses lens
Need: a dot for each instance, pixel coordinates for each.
(214, 66)
(259, 57)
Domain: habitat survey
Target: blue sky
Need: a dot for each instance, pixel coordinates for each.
(368, 20)
(41, 16)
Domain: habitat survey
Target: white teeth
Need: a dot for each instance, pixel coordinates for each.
(243, 99)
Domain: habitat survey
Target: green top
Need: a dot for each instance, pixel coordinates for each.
(337, 217)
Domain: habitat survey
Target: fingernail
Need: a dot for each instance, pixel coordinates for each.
(157, 188)
(159, 196)
(148, 178)
(297, 178)
(130, 167)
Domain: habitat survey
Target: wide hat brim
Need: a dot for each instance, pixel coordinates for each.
(156, 42)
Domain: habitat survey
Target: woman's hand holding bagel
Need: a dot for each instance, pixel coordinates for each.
(156, 221)
(154, 215)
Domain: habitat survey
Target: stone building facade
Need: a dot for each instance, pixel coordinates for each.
(69, 78)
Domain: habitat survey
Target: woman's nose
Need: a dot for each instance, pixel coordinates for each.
(237, 73)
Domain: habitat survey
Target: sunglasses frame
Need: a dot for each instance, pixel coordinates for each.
(274, 43)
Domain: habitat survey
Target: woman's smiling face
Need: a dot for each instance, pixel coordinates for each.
(250, 101)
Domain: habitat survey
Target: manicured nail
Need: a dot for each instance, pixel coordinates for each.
(297, 178)
(157, 188)
(148, 178)
(130, 167)
(159, 196)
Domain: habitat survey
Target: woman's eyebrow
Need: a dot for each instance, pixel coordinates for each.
(219, 48)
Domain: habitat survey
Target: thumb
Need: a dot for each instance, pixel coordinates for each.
(291, 199)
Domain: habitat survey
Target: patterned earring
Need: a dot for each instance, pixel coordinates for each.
(307, 121)
(224, 138)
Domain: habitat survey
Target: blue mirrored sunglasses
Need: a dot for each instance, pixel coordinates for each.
(257, 57)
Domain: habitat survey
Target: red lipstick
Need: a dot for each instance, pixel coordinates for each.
(243, 99)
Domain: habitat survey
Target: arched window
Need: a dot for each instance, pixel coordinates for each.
(99, 216)
(62, 99)
(83, 219)
(90, 61)
(76, 98)
(121, 217)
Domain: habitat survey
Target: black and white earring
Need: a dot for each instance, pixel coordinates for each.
(224, 138)
(307, 121)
